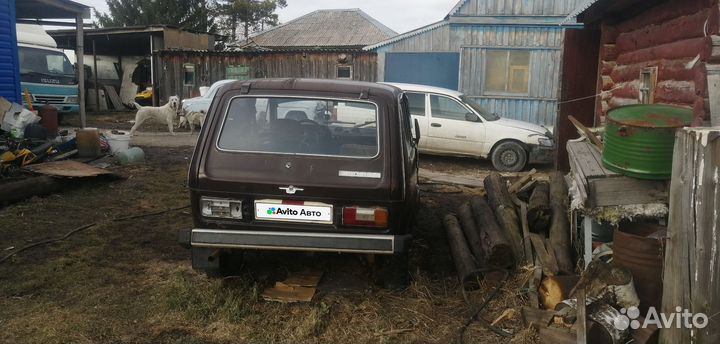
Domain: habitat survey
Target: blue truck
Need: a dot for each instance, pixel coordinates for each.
(45, 71)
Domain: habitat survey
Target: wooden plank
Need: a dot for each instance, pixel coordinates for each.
(549, 335)
(625, 190)
(536, 318)
(581, 321)
(67, 168)
(522, 181)
(586, 132)
(547, 261)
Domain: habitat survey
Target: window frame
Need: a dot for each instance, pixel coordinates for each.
(380, 122)
(648, 82)
(507, 73)
(425, 100)
(337, 71)
(429, 100)
(194, 74)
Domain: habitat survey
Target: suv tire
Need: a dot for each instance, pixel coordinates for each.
(509, 156)
(391, 271)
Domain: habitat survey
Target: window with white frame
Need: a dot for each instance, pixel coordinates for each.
(648, 79)
(507, 71)
(188, 74)
(344, 72)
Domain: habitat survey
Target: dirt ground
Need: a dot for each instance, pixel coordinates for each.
(129, 281)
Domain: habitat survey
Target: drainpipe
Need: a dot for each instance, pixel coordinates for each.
(79, 53)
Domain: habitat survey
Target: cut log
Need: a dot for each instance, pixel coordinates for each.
(495, 244)
(554, 289)
(539, 207)
(547, 259)
(504, 209)
(560, 225)
(26, 188)
(466, 268)
(472, 234)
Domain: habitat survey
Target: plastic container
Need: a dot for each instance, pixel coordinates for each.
(131, 156)
(88, 142)
(118, 141)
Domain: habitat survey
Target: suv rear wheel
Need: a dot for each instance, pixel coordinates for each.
(391, 271)
(509, 156)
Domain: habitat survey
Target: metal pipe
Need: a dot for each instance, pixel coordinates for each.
(95, 74)
(79, 53)
(152, 71)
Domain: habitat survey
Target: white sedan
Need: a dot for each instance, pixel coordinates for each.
(453, 124)
(202, 103)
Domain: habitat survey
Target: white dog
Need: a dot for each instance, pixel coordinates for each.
(192, 118)
(166, 113)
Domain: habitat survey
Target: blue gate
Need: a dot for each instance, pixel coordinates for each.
(9, 66)
(434, 69)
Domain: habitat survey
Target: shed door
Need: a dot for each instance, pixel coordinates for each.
(434, 69)
(9, 68)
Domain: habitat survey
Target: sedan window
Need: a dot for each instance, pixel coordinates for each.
(416, 102)
(444, 107)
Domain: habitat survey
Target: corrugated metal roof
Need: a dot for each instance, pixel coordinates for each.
(325, 28)
(580, 9)
(412, 33)
(456, 8)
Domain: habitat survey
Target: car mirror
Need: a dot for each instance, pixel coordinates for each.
(417, 131)
(471, 117)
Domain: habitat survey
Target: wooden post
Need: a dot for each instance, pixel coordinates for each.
(80, 57)
(560, 225)
(692, 258)
(472, 234)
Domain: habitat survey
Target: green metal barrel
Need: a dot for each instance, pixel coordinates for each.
(639, 139)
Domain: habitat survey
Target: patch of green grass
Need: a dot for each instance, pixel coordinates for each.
(210, 300)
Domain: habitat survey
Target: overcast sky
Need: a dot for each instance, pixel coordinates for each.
(399, 15)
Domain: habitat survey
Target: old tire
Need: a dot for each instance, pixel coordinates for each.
(509, 156)
(391, 271)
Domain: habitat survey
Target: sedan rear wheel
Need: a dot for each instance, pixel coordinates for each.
(509, 156)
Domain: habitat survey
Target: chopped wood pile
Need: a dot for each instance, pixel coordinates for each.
(525, 225)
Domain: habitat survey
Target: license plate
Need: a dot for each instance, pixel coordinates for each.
(293, 211)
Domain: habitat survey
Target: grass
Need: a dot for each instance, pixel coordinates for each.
(129, 282)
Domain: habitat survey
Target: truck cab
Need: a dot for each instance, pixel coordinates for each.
(305, 165)
(45, 71)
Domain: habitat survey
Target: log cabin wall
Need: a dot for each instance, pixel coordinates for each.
(675, 37)
(211, 66)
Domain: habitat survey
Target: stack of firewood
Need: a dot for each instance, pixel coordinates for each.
(520, 224)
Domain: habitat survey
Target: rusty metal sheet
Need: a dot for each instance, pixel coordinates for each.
(67, 168)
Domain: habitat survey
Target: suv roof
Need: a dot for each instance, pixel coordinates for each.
(319, 85)
(424, 88)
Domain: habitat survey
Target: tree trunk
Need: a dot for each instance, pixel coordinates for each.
(539, 208)
(560, 225)
(504, 209)
(466, 268)
(495, 244)
(26, 188)
(471, 233)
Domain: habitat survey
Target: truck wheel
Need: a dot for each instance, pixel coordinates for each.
(391, 271)
(509, 156)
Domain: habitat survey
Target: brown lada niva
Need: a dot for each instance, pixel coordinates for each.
(305, 165)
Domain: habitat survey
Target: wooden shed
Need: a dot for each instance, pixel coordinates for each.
(505, 54)
(325, 44)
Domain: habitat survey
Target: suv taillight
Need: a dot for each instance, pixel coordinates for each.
(365, 217)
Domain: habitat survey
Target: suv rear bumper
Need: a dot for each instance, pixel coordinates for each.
(295, 241)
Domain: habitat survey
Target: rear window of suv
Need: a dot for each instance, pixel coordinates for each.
(304, 126)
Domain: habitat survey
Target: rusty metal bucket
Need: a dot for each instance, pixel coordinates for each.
(643, 256)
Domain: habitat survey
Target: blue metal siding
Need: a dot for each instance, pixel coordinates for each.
(433, 69)
(9, 66)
